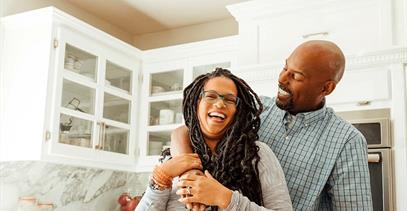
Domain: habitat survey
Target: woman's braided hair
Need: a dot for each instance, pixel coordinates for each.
(235, 164)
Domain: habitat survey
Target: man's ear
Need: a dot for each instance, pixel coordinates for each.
(329, 86)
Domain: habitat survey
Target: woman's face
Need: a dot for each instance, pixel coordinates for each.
(214, 113)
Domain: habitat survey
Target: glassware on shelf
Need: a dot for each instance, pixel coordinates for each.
(118, 77)
(157, 89)
(166, 116)
(77, 97)
(75, 131)
(163, 112)
(115, 139)
(116, 108)
(166, 82)
(74, 103)
(80, 61)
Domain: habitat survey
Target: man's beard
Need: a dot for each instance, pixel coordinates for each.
(287, 107)
(290, 104)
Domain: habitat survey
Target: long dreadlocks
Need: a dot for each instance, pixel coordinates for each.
(235, 161)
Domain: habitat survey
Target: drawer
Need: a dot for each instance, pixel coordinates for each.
(359, 86)
(355, 26)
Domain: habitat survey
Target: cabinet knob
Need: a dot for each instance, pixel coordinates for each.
(305, 36)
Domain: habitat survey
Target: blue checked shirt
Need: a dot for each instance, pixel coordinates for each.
(323, 157)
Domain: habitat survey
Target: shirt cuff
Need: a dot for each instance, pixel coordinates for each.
(234, 202)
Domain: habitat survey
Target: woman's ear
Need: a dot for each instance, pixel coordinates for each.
(329, 86)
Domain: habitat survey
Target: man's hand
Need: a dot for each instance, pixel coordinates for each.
(194, 206)
(180, 164)
(204, 189)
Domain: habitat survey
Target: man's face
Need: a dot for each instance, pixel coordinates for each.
(301, 83)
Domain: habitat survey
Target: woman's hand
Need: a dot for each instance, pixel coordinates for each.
(180, 164)
(204, 189)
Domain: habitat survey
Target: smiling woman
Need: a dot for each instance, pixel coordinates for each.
(222, 115)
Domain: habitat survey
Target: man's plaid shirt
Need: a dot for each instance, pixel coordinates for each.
(323, 157)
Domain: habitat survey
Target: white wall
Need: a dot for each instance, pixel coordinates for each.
(193, 33)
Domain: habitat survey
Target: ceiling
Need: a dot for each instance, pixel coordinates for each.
(148, 16)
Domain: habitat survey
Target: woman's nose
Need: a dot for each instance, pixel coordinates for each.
(220, 103)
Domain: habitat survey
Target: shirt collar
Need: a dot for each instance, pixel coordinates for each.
(306, 118)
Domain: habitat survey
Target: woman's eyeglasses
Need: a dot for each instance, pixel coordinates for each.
(212, 97)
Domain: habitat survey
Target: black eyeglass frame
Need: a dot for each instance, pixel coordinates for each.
(221, 97)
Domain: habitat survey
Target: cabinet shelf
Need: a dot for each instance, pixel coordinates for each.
(177, 92)
(168, 127)
(175, 96)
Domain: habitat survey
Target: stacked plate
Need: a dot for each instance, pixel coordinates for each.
(70, 62)
(73, 63)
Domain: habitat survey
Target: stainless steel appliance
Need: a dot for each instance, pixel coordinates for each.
(375, 125)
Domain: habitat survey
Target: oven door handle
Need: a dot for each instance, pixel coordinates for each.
(373, 158)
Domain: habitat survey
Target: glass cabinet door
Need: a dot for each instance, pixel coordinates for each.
(77, 106)
(115, 134)
(164, 108)
(115, 126)
(85, 121)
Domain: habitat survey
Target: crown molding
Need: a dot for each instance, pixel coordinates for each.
(270, 71)
(381, 57)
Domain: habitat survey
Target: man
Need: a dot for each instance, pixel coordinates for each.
(323, 157)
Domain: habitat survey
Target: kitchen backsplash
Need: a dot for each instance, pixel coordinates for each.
(67, 187)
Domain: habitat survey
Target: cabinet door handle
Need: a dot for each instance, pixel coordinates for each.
(305, 36)
(101, 135)
(373, 158)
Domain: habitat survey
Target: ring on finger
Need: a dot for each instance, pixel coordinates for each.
(189, 190)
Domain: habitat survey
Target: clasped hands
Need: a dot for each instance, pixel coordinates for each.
(197, 189)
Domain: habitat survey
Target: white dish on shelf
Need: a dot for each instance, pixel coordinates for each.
(166, 116)
(157, 89)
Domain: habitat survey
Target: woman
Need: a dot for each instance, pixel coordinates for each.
(222, 114)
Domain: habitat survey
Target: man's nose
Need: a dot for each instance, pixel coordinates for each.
(283, 77)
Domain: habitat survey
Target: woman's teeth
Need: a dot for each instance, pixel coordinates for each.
(216, 114)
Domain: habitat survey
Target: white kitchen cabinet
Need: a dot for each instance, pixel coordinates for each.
(361, 87)
(270, 30)
(166, 72)
(70, 92)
